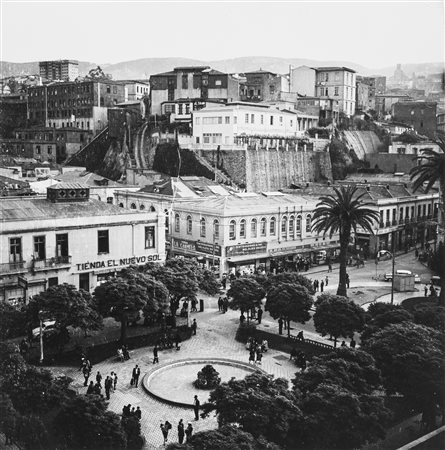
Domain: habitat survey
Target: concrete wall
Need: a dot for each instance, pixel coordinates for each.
(391, 162)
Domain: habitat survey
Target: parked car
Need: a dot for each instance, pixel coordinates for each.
(48, 327)
(384, 255)
(435, 280)
(388, 276)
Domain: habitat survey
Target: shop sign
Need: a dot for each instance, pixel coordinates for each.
(284, 249)
(22, 282)
(118, 262)
(198, 246)
(246, 249)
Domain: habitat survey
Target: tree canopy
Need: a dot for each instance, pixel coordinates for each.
(289, 278)
(341, 213)
(289, 301)
(337, 316)
(245, 293)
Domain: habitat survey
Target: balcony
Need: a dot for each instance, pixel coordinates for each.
(13, 267)
(51, 263)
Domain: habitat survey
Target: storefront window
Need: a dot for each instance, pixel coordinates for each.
(272, 228)
(232, 230)
(263, 227)
(253, 226)
(202, 227)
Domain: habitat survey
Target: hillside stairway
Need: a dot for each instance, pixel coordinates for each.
(362, 142)
(220, 176)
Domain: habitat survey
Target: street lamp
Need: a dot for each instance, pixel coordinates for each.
(393, 265)
(41, 336)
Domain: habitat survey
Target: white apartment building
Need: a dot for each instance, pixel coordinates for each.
(70, 238)
(416, 148)
(338, 83)
(225, 124)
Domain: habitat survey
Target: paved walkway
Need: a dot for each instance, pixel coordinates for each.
(215, 338)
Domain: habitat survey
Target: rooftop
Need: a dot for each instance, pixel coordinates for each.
(330, 69)
(88, 179)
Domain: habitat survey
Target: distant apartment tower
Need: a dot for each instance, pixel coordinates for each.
(195, 83)
(337, 83)
(61, 70)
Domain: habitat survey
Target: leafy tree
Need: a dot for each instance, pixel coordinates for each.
(31, 432)
(121, 298)
(84, 423)
(289, 278)
(431, 170)
(260, 404)
(289, 301)
(351, 369)
(68, 307)
(432, 316)
(411, 358)
(337, 316)
(157, 299)
(132, 428)
(246, 294)
(12, 364)
(209, 282)
(227, 437)
(337, 418)
(341, 213)
(12, 321)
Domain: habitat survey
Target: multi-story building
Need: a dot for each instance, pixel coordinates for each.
(13, 113)
(193, 83)
(82, 105)
(441, 122)
(409, 148)
(302, 80)
(363, 97)
(61, 70)
(377, 86)
(385, 102)
(327, 109)
(135, 90)
(233, 123)
(421, 115)
(70, 238)
(337, 83)
(263, 86)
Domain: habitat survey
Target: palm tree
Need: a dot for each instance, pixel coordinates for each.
(431, 170)
(341, 213)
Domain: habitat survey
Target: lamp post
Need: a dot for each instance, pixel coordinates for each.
(393, 265)
(41, 336)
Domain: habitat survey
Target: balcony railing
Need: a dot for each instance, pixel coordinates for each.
(51, 262)
(17, 266)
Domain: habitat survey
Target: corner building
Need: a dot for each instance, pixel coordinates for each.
(70, 238)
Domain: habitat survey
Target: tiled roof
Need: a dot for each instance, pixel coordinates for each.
(89, 179)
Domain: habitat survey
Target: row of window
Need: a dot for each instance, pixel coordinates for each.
(248, 118)
(62, 248)
(289, 226)
(404, 212)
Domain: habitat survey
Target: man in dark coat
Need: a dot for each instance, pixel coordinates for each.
(196, 405)
(155, 355)
(181, 432)
(259, 314)
(108, 385)
(136, 374)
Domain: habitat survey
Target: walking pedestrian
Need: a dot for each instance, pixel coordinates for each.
(196, 405)
(259, 357)
(280, 326)
(98, 378)
(194, 303)
(353, 343)
(343, 344)
(114, 377)
(164, 430)
(138, 413)
(252, 355)
(188, 432)
(108, 384)
(347, 280)
(425, 290)
(326, 281)
(259, 315)
(220, 304)
(86, 374)
(181, 431)
(90, 389)
(300, 336)
(155, 355)
(321, 286)
(194, 326)
(136, 374)
(329, 267)
(226, 304)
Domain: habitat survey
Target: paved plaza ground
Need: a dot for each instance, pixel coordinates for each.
(215, 338)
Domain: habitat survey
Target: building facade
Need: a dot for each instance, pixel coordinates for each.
(70, 238)
(338, 83)
(420, 115)
(232, 123)
(376, 86)
(192, 83)
(61, 70)
(263, 86)
(302, 80)
(82, 105)
(415, 149)
(385, 102)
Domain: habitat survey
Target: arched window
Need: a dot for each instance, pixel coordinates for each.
(202, 227)
(142, 207)
(152, 209)
(232, 230)
(253, 228)
(263, 227)
(133, 206)
(177, 226)
(273, 226)
(284, 226)
(215, 229)
(308, 223)
(298, 225)
(242, 229)
(189, 224)
(121, 205)
(291, 227)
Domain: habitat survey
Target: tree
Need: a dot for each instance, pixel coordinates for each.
(290, 278)
(342, 213)
(132, 428)
(245, 294)
(337, 316)
(337, 418)
(84, 423)
(121, 298)
(290, 302)
(227, 437)
(12, 321)
(411, 358)
(352, 369)
(68, 307)
(208, 282)
(260, 404)
(32, 433)
(431, 170)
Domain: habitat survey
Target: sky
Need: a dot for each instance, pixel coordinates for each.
(374, 34)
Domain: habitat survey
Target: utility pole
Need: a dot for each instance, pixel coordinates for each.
(393, 266)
